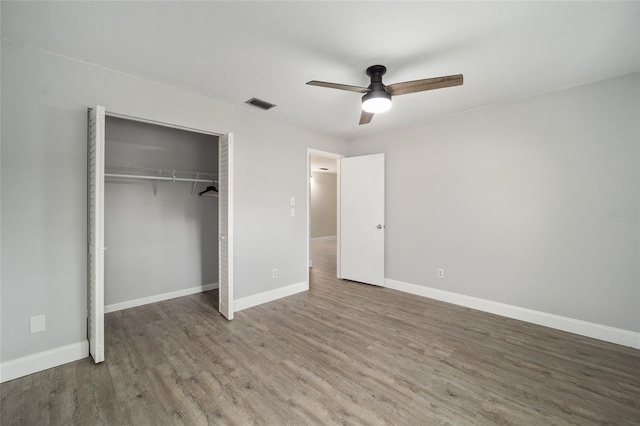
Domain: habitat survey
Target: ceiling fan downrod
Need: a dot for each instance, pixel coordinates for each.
(376, 72)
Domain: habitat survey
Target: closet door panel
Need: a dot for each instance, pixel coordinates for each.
(95, 233)
(225, 225)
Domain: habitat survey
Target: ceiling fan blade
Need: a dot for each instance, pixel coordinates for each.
(357, 89)
(426, 84)
(365, 117)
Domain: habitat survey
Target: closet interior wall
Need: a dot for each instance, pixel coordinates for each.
(162, 242)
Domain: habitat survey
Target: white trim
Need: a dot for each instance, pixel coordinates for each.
(308, 200)
(330, 237)
(30, 364)
(338, 223)
(583, 328)
(158, 298)
(269, 296)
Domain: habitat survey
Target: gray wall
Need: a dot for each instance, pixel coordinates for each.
(322, 205)
(162, 243)
(43, 177)
(512, 202)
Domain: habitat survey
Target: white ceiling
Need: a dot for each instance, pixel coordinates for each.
(232, 51)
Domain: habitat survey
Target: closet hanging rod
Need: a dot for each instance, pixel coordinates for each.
(173, 179)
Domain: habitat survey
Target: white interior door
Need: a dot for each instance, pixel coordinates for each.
(225, 225)
(95, 233)
(362, 219)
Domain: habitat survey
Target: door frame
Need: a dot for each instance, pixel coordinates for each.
(337, 157)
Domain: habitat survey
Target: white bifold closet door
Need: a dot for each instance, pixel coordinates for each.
(95, 231)
(362, 225)
(225, 225)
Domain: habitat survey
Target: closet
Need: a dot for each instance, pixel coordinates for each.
(162, 237)
(159, 222)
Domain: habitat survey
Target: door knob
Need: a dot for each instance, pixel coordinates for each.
(380, 226)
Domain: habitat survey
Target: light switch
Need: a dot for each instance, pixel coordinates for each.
(293, 212)
(293, 201)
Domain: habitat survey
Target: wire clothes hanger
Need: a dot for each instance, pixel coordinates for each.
(211, 190)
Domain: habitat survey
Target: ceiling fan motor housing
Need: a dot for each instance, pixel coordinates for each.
(378, 99)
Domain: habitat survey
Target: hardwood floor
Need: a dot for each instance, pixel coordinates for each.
(342, 353)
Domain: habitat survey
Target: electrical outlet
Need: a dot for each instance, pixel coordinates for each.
(37, 324)
(440, 273)
(293, 201)
(275, 273)
(293, 212)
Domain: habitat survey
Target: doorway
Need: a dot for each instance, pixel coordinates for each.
(323, 198)
(360, 209)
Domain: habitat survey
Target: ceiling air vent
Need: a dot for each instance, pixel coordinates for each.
(259, 103)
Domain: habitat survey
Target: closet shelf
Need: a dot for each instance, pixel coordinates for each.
(161, 174)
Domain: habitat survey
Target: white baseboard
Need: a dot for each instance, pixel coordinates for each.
(584, 328)
(269, 296)
(158, 298)
(41, 361)
(52, 358)
(330, 237)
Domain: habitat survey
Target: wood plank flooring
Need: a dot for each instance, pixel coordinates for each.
(342, 353)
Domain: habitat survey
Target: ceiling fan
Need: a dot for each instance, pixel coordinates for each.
(377, 96)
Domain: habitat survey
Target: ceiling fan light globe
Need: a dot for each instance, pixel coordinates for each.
(376, 102)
